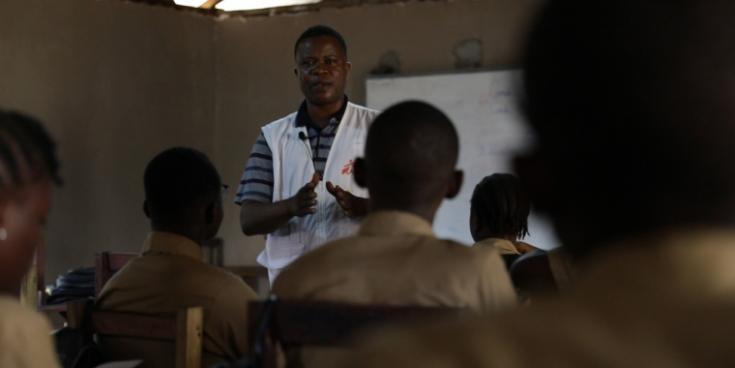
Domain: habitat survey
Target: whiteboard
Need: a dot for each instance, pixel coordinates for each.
(483, 106)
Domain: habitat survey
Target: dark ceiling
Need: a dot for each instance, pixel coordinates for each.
(208, 8)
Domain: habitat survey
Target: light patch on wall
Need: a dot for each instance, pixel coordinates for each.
(468, 54)
(238, 5)
(191, 3)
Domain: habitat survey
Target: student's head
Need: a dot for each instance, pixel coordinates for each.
(499, 208)
(183, 194)
(28, 168)
(321, 65)
(410, 158)
(632, 105)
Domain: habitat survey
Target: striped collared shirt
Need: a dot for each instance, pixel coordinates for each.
(256, 183)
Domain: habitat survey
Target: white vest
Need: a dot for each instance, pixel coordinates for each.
(293, 168)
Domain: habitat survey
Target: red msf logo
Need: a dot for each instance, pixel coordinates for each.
(347, 169)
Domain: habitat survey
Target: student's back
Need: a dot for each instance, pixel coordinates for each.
(395, 259)
(666, 306)
(170, 274)
(408, 168)
(166, 278)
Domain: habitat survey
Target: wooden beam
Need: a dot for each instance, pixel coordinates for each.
(210, 4)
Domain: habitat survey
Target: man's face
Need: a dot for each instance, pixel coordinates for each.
(322, 68)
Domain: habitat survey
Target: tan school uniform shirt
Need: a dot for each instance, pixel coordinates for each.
(170, 275)
(25, 337)
(504, 246)
(395, 259)
(559, 262)
(662, 301)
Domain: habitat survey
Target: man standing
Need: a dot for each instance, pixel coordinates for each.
(409, 168)
(297, 186)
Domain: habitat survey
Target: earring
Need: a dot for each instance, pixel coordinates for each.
(3, 234)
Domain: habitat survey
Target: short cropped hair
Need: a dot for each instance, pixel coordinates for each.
(320, 31)
(178, 179)
(411, 149)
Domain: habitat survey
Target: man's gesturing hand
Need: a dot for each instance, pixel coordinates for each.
(304, 202)
(352, 205)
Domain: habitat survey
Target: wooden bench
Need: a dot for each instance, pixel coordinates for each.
(184, 329)
(295, 324)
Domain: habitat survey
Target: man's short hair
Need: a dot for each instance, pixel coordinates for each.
(320, 31)
(501, 205)
(25, 145)
(178, 179)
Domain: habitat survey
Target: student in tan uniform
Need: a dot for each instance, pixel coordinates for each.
(408, 168)
(499, 216)
(184, 204)
(28, 168)
(632, 105)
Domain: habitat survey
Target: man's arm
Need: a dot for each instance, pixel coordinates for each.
(263, 218)
(258, 215)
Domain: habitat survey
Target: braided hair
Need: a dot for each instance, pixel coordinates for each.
(27, 151)
(501, 204)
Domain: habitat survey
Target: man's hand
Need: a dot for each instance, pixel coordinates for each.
(352, 205)
(304, 202)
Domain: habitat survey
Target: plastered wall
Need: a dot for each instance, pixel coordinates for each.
(118, 82)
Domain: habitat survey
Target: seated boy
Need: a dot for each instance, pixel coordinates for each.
(184, 204)
(408, 169)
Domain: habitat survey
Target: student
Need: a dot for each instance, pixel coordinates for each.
(631, 103)
(28, 168)
(499, 216)
(183, 201)
(297, 186)
(542, 273)
(395, 258)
